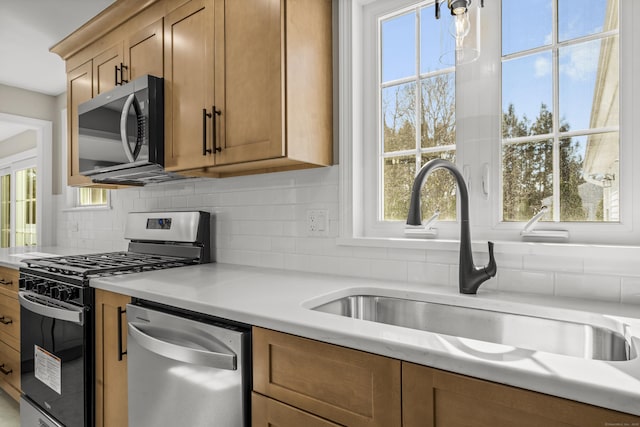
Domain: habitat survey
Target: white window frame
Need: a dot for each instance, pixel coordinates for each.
(9, 166)
(478, 134)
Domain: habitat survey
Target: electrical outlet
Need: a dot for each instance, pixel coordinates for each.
(318, 222)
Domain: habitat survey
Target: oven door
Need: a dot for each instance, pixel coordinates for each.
(54, 358)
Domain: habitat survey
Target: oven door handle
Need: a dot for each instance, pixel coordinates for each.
(35, 304)
(181, 353)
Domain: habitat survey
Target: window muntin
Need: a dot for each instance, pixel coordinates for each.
(5, 210)
(417, 112)
(25, 207)
(572, 77)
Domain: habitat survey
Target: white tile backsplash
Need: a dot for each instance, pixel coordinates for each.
(261, 221)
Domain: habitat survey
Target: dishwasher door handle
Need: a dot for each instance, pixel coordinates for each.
(193, 356)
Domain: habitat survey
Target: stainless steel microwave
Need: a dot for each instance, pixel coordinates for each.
(121, 134)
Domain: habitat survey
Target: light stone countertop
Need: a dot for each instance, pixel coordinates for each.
(280, 300)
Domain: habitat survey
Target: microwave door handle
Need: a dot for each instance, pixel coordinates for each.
(124, 117)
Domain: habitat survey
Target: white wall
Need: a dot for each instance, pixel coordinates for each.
(261, 221)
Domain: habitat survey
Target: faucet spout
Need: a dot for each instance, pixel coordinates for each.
(470, 277)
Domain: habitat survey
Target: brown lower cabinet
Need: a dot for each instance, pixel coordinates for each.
(111, 364)
(9, 333)
(298, 381)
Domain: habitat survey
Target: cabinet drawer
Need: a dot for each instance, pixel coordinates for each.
(346, 386)
(267, 412)
(9, 366)
(10, 321)
(9, 281)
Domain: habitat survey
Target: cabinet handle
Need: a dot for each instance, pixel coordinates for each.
(6, 320)
(6, 282)
(5, 370)
(120, 352)
(120, 70)
(215, 130)
(116, 75)
(206, 115)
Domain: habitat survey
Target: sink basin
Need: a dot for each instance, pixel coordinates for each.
(533, 333)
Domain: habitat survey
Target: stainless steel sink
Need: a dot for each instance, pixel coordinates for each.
(533, 333)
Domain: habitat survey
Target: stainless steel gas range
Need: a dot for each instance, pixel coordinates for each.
(56, 309)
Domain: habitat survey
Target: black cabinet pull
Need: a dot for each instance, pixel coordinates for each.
(6, 320)
(120, 70)
(6, 282)
(116, 75)
(5, 370)
(215, 129)
(120, 352)
(206, 115)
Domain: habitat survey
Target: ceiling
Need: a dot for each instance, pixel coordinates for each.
(28, 28)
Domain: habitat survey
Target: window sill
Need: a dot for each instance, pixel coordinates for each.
(600, 251)
(87, 208)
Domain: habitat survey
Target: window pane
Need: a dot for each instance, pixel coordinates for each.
(398, 180)
(25, 233)
(431, 42)
(526, 24)
(438, 111)
(92, 196)
(589, 181)
(399, 47)
(527, 179)
(5, 211)
(579, 18)
(439, 192)
(589, 95)
(399, 117)
(527, 92)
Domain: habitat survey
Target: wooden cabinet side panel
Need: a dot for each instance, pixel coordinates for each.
(271, 413)
(251, 124)
(110, 373)
(309, 77)
(145, 51)
(441, 399)
(345, 386)
(79, 90)
(188, 76)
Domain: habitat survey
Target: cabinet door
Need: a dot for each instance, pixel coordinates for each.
(434, 398)
(267, 412)
(79, 90)
(9, 282)
(144, 51)
(189, 79)
(345, 386)
(105, 74)
(10, 370)
(252, 124)
(111, 365)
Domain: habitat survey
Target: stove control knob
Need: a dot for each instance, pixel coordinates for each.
(64, 295)
(55, 292)
(29, 284)
(42, 288)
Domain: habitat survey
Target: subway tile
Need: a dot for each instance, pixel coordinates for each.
(630, 293)
(553, 263)
(592, 286)
(428, 273)
(389, 270)
(538, 282)
(618, 267)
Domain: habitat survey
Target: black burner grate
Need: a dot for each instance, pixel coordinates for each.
(110, 262)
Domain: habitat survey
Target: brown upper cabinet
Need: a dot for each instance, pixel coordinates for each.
(248, 83)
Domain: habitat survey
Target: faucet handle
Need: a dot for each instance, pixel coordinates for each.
(491, 268)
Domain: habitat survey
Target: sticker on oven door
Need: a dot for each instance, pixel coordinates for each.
(48, 369)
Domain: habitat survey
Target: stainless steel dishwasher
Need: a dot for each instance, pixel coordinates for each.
(186, 369)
